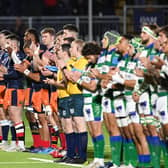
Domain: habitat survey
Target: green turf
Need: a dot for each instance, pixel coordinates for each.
(21, 159)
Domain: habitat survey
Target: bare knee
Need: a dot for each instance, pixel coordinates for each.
(80, 124)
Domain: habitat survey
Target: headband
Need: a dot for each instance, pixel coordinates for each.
(149, 32)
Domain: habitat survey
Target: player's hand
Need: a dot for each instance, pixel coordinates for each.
(95, 72)
(46, 72)
(75, 76)
(158, 62)
(3, 69)
(60, 63)
(139, 72)
(20, 67)
(104, 83)
(49, 81)
(145, 62)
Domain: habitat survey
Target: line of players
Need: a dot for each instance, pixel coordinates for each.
(124, 85)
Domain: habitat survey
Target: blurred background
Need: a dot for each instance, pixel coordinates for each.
(92, 17)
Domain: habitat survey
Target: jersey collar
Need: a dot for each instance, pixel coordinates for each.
(150, 46)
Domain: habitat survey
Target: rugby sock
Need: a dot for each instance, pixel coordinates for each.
(132, 153)
(35, 134)
(45, 144)
(76, 143)
(82, 140)
(5, 129)
(54, 137)
(99, 146)
(0, 138)
(36, 140)
(20, 133)
(144, 160)
(70, 139)
(125, 152)
(166, 153)
(115, 144)
(63, 140)
(94, 147)
(155, 151)
(164, 147)
(13, 132)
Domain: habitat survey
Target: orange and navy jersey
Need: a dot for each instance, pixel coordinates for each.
(36, 85)
(14, 78)
(4, 60)
(28, 92)
(13, 97)
(2, 93)
(28, 96)
(39, 98)
(40, 95)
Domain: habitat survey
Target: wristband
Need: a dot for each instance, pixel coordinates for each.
(26, 72)
(109, 85)
(143, 121)
(138, 92)
(118, 79)
(164, 69)
(64, 68)
(79, 81)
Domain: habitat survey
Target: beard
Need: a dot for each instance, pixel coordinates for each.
(144, 42)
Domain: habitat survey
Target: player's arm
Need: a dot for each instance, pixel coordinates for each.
(22, 69)
(91, 86)
(32, 75)
(59, 84)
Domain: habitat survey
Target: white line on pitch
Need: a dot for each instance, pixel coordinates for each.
(75, 165)
(9, 163)
(51, 161)
(42, 160)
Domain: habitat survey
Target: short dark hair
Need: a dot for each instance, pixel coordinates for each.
(65, 48)
(163, 29)
(80, 43)
(69, 39)
(128, 36)
(5, 32)
(35, 33)
(91, 48)
(13, 37)
(49, 30)
(59, 33)
(70, 27)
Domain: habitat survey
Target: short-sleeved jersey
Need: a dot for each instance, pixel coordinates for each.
(79, 65)
(161, 90)
(148, 52)
(14, 78)
(106, 60)
(4, 60)
(127, 66)
(61, 92)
